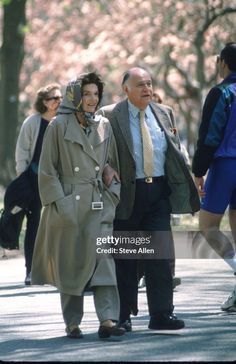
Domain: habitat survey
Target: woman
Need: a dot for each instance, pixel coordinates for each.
(79, 208)
(28, 149)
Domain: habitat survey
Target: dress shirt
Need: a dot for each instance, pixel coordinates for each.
(158, 140)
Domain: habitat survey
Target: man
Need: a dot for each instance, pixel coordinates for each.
(175, 220)
(216, 153)
(148, 198)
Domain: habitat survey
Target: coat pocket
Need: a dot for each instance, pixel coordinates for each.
(64, 211)
(113, 192)
(110, 202)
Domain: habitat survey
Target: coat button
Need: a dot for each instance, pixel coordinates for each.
(97, 168)
(76, 169)
(77, 197)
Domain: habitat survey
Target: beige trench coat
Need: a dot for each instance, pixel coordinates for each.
(70, 179)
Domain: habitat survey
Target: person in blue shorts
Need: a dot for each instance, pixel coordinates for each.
(215, 158)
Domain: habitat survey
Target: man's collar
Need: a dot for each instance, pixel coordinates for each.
(135, 111)
(231, 77)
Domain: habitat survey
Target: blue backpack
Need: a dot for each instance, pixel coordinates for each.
(227, 147)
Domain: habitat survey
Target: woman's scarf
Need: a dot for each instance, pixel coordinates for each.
(72, 102)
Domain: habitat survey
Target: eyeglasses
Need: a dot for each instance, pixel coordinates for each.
(56, 98)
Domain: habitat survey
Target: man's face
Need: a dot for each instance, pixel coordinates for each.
(138, 88)
(221, 66)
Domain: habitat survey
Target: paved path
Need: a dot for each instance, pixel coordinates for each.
(32, 329)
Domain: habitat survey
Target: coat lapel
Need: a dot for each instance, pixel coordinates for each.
(100, 134)
(164, 122)
(75, 134)
(121, 113)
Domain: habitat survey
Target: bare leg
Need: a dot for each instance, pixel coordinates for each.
(209, 225)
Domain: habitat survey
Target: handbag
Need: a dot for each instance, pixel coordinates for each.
(17, 198)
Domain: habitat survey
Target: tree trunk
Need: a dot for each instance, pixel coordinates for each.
(12, 54)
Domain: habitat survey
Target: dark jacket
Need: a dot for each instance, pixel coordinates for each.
(17, 198)
(184, 197)
(217, 132)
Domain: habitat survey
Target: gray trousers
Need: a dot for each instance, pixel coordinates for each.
(106, 302)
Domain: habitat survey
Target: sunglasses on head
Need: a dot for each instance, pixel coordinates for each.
(56, 98)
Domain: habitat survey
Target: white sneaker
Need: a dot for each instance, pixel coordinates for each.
(230, 304)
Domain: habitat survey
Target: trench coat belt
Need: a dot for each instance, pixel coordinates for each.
(96, 182)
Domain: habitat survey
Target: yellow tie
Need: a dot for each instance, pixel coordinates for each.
(147, 146)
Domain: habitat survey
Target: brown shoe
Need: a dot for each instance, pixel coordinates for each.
(106, 331)
(75, 333)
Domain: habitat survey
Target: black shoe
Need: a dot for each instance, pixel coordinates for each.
(76, 333)
(106, 331)
(127, 325)
(28, 279)
(165, 322)
(176, 282)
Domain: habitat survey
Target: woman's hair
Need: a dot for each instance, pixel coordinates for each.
(92, 77)
(43, 94)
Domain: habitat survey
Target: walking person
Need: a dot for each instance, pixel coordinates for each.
(27, 154)
(78, 208)
(215, 156)
(151, 188)
(141, 277)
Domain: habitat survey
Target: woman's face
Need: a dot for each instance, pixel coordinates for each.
(90, 98)
(53, 100)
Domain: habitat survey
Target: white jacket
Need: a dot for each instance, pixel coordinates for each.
(26, 142)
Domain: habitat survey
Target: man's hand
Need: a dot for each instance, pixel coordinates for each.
(108, 174)
(199, 182)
